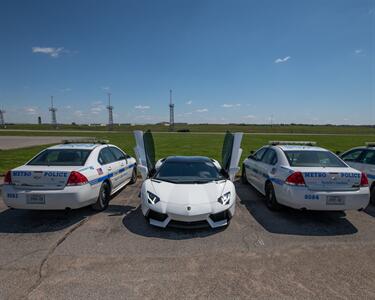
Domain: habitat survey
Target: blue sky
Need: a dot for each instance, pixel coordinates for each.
(226, 61)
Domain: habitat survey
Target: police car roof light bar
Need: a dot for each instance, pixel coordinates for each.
(85, 141)
(302, 143)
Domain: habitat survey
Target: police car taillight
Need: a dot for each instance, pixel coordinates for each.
(8, 178)
(76, 178)
(364, 179)
(295, 179)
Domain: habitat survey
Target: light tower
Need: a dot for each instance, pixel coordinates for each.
(110, 113)
(2, 122)
(53, 114)
(171, 112)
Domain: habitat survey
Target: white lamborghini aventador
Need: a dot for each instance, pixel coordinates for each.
(188, 191)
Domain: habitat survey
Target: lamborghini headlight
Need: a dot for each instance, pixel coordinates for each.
(224, 199)
(152, 198)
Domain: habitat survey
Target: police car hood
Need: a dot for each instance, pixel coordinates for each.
(330, 178)
(189, 194)
(42, 177)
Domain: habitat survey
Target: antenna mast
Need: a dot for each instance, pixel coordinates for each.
(171, 112)
(2, 122)
(110, 113)
(53, 114)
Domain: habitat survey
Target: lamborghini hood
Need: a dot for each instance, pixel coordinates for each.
(188, 194)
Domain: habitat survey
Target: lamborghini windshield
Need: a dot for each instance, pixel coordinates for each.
(188, 172)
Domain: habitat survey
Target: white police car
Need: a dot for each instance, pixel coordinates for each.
(363, 159)
(69, 176)
(302, 176)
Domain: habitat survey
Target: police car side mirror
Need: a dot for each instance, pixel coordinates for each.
(338, 152)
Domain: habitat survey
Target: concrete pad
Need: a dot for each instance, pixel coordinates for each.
(116, 254)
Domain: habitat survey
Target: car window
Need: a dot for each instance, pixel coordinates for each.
(119, 155)
(270, 157)
(307, 158)
(352, 155)
(61, 157)
(368, 157)
(188, 172)
(106, 156)
(259, 154)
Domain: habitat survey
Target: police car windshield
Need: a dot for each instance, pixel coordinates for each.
(313, 159)
(61, 157)
(188, 172)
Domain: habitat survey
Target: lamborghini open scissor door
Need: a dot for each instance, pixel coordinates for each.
(231, 153)
(145, 152)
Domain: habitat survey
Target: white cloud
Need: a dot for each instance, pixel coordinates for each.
(358, 51)
(202, 110)
(66, 90)
(189, 102)
(97, 107)
(78, 113)
(51, 51)
(142, 107)
(249, 117)
(106, 88)
(30, 110)
(68, 107)
(230, 105)
(282, 60)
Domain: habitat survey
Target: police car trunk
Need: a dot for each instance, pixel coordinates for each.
(41, 177)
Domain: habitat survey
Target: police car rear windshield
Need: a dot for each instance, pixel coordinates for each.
(188, 172)
(313, 159)
(61, 157)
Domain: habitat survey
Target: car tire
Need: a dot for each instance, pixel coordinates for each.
(243, 176)
(103, 198)
(134, 176)
(270, 198)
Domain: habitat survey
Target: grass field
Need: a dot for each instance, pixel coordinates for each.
(181, 144)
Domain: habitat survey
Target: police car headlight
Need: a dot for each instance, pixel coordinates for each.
(152, 198)
(224, 199)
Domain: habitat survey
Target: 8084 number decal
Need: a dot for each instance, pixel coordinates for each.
(311, 197)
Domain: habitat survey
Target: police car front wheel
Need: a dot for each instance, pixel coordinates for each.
(103, 199)
(271, 200)
(134, 176)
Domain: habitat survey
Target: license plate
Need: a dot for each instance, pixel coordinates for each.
(35, 199)
(335, 200)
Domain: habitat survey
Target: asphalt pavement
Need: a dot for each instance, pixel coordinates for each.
(116, 254)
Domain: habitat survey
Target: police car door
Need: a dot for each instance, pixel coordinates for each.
(367, 164)
(353, 158)
(124, 173)
(255, 168)
(267, 167)
(109, 165)
(145, 153)
(231, 153)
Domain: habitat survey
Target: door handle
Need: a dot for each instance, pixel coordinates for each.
(109, 168)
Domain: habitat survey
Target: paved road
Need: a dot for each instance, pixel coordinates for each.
(13, 142)
(116, 254)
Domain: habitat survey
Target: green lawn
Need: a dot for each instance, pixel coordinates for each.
(183, 144)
